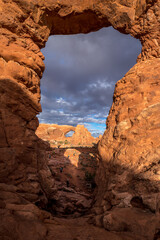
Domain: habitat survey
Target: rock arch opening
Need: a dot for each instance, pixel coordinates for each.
(78, 84)
(69, 134)
(129, 149)
(81, 71)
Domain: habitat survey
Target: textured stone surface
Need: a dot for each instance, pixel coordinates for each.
(82, 136)
(53, 131)
(57, 134)
(131, 161)
(73, 170)
(129, 148)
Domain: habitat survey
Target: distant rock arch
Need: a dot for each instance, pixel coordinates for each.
(69, 133)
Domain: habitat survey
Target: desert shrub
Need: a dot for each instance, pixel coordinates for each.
(89, 177)
(66, 142)
(68, 175)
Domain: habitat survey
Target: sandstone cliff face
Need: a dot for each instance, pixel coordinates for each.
(129, 148)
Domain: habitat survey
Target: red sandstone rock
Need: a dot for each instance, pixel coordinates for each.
(54, 132)
(82, 136)
(129, 147)
(131, 139)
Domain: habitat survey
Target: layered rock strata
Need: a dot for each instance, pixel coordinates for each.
(129, 170)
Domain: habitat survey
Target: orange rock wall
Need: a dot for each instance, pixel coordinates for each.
(130, 143)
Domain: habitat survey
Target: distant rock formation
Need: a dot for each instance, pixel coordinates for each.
(57, 133)
(83, 136)
(53, 131)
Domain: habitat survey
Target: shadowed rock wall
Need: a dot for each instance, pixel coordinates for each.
(129, 147)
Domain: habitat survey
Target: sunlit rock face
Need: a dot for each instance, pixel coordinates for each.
(53, 131)
(128, 176)
(56, 135)
(130, 149)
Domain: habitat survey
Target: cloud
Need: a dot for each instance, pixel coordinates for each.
(81, 72)
(62, 102)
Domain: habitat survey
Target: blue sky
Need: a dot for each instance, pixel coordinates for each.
(81, 72)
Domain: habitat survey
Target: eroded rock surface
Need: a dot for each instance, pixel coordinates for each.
(128, 176)
(73, 170)
(56, 135)
(131, 164)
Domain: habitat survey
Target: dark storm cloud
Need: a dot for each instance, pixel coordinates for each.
(81, 71)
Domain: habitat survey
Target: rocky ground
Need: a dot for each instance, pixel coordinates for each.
(68, 214)
(80, 229)
(26, 221)
(73, 170)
